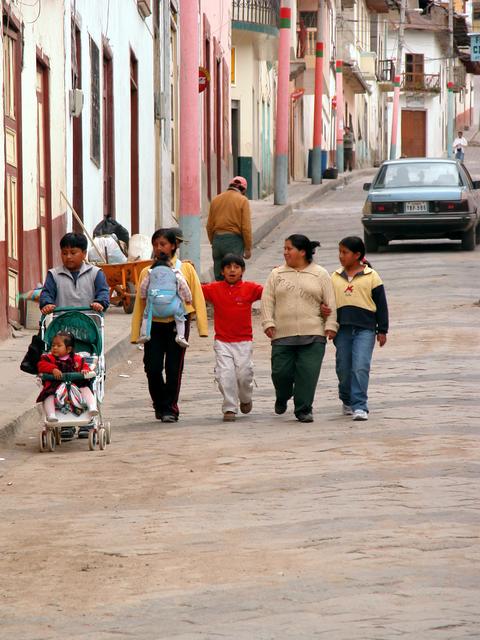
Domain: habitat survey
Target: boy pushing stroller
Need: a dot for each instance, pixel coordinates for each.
(74, 284)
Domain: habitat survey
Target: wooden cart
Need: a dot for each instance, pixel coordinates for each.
(122, 279)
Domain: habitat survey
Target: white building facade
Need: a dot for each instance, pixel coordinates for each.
(110, 144)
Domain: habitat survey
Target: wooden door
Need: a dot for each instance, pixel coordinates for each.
(208, 114)
(218, 121)
(13, 167)
(44, 205)
(414, 143)
(108, 136)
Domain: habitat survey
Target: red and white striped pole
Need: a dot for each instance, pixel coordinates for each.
(396, 108)
(340, 114)
(317, 114)
(281, 140)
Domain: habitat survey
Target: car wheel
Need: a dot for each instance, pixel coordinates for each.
(371, 242)
(468, 240)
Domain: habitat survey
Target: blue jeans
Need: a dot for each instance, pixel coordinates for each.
(353, 358)
(459, 155)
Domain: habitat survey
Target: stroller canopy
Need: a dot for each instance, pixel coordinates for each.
(83, 327)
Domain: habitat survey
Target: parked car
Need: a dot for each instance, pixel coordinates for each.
(417, 198)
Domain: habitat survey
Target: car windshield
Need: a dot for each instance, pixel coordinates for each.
(418, 174)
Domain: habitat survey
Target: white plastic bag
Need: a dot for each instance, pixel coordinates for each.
(139, 248)
(109, 249)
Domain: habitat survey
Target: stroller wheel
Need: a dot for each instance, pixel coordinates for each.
(51, 440)
(43, 440)
(108, 429)
(92, 439)
(102, 438)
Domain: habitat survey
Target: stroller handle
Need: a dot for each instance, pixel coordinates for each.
(66, 377)
(62, 309)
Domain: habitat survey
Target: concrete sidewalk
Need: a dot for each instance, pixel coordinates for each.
(18, 390)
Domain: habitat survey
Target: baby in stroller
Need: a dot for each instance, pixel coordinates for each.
(55, 394)
(72, 369)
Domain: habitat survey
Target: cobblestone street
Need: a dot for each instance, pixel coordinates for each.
(268, 528)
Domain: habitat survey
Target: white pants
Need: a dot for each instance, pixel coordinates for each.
(234, 373)
(88, 399)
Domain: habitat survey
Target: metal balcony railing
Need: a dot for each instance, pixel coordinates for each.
(385, 71)
(417, 81)
(459, 78)
(264, 12)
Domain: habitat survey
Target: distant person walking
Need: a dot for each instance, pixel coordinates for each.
(459, 145)
(291, 318)
(229, 225)
(348, 142)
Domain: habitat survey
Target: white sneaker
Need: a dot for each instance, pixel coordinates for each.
(92, 413)
(359, 414)
(347, 410)
(52, 418)
(182, 342)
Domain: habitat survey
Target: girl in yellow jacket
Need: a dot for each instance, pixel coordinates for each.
(162, 351)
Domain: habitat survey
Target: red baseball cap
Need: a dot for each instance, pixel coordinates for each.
(239, 181)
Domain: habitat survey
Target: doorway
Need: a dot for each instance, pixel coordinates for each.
(208, 113)
(13, 165)
(44, 199)
(414, 141)
(134, 173)
(108, 135)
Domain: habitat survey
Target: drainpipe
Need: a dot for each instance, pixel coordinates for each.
(190, 212)
(317, 114)
(396, 82)
(450, 106)
(283, 99)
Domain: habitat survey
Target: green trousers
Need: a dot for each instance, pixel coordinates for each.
(222, 244)
(295, 372)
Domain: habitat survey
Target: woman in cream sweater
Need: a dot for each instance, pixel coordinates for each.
(291, 318)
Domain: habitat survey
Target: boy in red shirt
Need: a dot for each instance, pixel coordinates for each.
(232, 300)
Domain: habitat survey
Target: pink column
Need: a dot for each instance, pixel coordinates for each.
(317, 115)
(283, 99)
(190, 212)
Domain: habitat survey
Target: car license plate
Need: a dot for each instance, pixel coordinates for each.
(416, 207)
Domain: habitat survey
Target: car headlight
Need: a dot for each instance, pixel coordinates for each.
(367, 208)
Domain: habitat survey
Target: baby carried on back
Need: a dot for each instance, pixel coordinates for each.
(165, 291)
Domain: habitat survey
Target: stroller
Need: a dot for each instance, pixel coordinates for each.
(88, 328)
